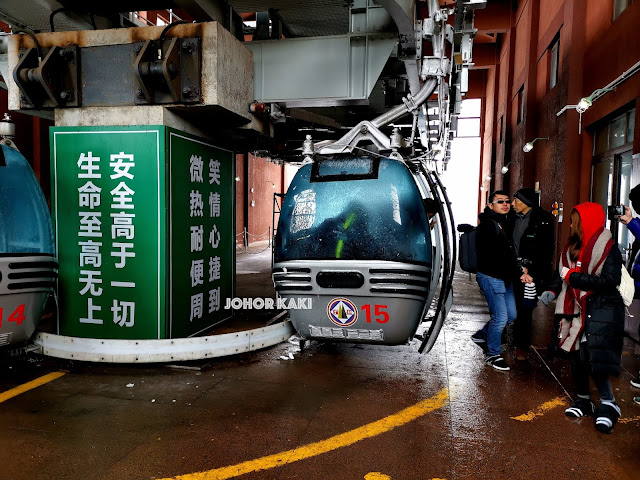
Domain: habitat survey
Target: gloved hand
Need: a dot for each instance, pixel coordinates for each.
(547, 297)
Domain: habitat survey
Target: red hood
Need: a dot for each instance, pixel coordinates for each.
(592, 218)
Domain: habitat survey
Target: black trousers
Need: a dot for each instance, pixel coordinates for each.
(522, 325)
(580, 374)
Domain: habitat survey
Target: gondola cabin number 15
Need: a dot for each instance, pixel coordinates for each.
(380, 312)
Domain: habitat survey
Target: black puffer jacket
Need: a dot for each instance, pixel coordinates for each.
(496, 256)
(604, 313)
(537, 244)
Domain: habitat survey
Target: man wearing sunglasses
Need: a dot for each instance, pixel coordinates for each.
(497, 267)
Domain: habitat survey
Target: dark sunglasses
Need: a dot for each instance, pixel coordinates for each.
(501, 201)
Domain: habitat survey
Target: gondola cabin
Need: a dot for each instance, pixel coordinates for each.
(28, 268)
(354, 243)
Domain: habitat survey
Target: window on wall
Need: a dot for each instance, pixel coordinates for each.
(620, 6)
(554, 61)
(521, 104)
(614, 133)
(613, 169)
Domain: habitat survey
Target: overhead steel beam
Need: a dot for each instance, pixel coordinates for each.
(404, 15)
(334, 69)
(307, 116)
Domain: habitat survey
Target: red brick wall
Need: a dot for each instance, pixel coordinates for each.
(263, 176)
(594, 50)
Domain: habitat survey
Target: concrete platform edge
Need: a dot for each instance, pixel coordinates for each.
(165, 350)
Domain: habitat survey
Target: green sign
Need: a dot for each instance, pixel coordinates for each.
(124, 232)
(201, 217)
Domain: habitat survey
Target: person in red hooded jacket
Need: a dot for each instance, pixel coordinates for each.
(590, 312)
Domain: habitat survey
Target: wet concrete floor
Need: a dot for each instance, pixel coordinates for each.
(334, 411)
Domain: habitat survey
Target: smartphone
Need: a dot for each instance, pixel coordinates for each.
(615, 210)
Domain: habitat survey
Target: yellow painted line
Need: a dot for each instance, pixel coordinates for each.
(25, 387)
(541, 410)
(382, 476)
(628, 420)
(338, 441)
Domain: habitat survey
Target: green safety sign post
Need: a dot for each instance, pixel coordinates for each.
(144, 223)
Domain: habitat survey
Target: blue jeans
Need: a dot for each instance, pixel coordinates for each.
(502, 307)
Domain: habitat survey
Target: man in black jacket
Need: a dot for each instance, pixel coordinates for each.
(532, 231)
(497, 269)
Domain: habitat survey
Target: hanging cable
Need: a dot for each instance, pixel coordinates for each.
(33, 37)
(53, 14)
(169, 27)
(91, 20)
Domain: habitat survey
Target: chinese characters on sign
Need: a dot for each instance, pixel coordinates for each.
(207, 254)
(89, 229)
(91, 232)
(144, 219)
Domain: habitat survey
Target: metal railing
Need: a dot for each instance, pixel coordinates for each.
(247, 237)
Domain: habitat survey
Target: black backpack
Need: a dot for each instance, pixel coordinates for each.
(468, 257)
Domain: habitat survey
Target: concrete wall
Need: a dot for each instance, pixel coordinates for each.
(227, 65)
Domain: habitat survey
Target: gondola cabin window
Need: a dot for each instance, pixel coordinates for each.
(354, 208)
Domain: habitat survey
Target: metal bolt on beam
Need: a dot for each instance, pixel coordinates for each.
(187, 46)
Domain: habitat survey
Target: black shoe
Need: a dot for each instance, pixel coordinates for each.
(636, 381)
(606, 416)
(580, 408)
(497, 362)
(480, 340)
(521, 353)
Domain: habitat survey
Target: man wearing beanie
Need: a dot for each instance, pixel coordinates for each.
(532, 231)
